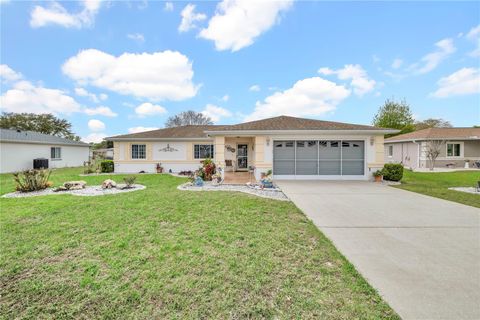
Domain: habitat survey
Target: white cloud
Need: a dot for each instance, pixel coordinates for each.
(360, 81)
(189, 18)
(474, 36)
(26, 97)
(138, 37)
(156, 76)
(101, 111)
(462, 82)
(308, 97)
(57, 14)
(103, 96)
(148, 109)
(96, 125)
(430, 61)
(225, 98)
(140, 129)
(216, 113)
(237, 23)
(8, 74)
(397, 63)
(168, 6)
(84, 93)
(94, 137)
(255, 87)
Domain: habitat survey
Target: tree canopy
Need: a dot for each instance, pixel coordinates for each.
(395, 115)
(432, 123)
(188, 118)
(43, 123)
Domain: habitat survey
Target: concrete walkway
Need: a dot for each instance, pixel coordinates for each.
(421, 253)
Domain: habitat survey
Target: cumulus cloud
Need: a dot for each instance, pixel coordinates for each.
(189, 18)
(94, 137)
(168, 6)
(148, 109)
(444, 48)
(462, 82)
(255, 87)
(101, 111)
(474, 36)
(237, 23)
(308, 97)
(96, 125)
(138, 37)
(56, 14)
(359, 80)
(157, 76)
(84, 93)
(216, 113)
(141, 129)
(26, 97)
(8, 74)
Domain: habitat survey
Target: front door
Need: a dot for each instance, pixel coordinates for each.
(242, 156)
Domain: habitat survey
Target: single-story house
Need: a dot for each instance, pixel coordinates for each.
(457, 145)
(19, 148)
(293, 148)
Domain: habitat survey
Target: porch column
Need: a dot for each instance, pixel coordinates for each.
(220, 151)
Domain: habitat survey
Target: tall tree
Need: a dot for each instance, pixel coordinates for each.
(188, 118)
(395, 115)
(44, 123)
(432, 123)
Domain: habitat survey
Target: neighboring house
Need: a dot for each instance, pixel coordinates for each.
(19, 148)
(458, 145)
(293, 148)
(106, 153)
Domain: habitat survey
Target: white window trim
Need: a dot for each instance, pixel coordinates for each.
(461, 149)
(131, 151)
(204, 144)
(56, 159)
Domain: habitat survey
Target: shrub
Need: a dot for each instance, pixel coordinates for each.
(32, 180)
(107, 166)
(393, 171)
(207, 170)
(129, 181)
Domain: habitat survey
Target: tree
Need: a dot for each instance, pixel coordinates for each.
(188, 118)
(432, 151)
(432, 123)
(395, 115)
(44, 123)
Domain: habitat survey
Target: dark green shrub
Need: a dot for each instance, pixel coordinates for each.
(32, 180)
(393, 171)
(107, 166)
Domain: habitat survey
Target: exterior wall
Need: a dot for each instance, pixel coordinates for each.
(19, 156)
(470, 150)
(180, 158)
(403, 152)
(233, 142)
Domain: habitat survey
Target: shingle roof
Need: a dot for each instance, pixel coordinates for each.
(438, 133)
(293, 123)
(271, 124)
(190, 131)
(36, 137)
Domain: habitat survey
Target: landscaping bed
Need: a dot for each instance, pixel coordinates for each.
(271, 193)
(89, 191)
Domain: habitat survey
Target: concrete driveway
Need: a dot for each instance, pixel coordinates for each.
(421, 253)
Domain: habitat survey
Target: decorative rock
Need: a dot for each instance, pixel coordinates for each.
(61, 188)
(109, 184)
(75, 185)
(122, 186)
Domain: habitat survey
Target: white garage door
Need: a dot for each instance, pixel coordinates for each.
(319, 158)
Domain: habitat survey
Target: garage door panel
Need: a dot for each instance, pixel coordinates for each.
(329, 168)
(306, 167)
(284, 167)
(329, 150)
(352, 167)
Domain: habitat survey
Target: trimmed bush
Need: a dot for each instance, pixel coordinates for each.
(107, 166)
(393, 171)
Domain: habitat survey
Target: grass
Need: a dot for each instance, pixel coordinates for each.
(170, 254)
(437, 184)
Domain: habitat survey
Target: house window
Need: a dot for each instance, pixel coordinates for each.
(56, 153)
(390, 151)
(139, 151)
(453, 149)
(203, 151)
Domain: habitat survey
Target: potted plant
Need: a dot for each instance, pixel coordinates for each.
(159, 168)
(467, 164)
(378, 175)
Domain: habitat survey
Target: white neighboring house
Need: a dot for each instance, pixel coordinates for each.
(19, 148)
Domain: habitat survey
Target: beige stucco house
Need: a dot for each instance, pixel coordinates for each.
(293, 148)
(458, 145)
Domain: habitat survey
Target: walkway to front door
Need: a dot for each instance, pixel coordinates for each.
(239, 177)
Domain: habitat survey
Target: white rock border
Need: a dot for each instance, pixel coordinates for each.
(89, 191)
(466, 189)
(275, 194)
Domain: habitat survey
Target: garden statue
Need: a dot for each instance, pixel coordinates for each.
(198, 182)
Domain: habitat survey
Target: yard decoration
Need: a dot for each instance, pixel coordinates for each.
(71, 185)
(207, 170)
(32, 180)
(108, 184)
(159, 168)
(198, 181)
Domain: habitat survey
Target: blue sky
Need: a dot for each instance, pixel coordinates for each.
(117, 67)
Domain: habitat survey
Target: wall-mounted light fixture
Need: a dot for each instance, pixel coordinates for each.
(268, 142)
(372, 141)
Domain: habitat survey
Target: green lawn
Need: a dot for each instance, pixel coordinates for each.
(164, 253)
(437, 184)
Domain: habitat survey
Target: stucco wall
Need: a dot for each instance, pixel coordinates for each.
(19, 156)
(403, 152)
